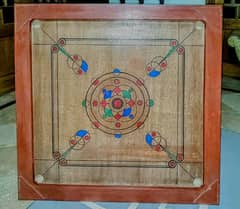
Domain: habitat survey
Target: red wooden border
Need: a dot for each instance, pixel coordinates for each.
(28, 189)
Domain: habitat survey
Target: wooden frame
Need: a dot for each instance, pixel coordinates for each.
(28, 189)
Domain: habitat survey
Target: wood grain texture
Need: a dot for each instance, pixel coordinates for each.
(105, 46)
(231, 70)
(208, 193)
(7, 62)
(231, 24)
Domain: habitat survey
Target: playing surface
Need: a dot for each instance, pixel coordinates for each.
(118, 102)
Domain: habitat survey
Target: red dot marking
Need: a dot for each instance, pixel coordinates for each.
(158, 148)
(95, 103)
(96, 124)
(139, 82)
(180, 50)
(56, 155)
(139, 124)
(117, 116)
(172, 164)
(163, 65)
(103, 103)
(80, 72)
(74, 142)
(86, 138)
(117, 90)
(95, 82)
(62, 42)
(154, 134)
(75, 57)
(173, 43)
(63, 162)
(54, 48)
(131, 103)
(117, 103)
(139, 102)
(149, 68)
(116, 81)
(118, 125)
(180, 157)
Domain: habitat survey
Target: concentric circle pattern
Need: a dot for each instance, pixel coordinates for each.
(117, 103)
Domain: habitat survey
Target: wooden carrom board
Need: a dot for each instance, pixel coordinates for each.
(120, 104)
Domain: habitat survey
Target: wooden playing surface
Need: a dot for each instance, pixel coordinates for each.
(118, 102)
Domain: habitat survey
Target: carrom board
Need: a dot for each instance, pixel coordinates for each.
(122, 102)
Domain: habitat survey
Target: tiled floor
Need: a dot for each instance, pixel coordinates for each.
(8, 165)
(8, 180)
(8, 126)
(8, 173)
(231, 111)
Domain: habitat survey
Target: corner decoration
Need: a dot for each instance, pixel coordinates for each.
(118, 103)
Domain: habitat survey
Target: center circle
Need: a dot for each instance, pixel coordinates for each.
(117, 103)
(117, 109)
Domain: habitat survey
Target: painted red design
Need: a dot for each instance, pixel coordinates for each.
(117, 116)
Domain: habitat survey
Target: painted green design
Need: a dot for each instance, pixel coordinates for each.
(61, 49)
(65, 154)
(127, 93)
(170, 52)
(171, 155)
(150, 102)
(84, 103)
(107, 113)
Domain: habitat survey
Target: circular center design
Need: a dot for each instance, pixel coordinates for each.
(117, 103)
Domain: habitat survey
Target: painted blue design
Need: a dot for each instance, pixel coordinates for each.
(118, 136)
(126, 112)
(84, 66)
(131, 116)
(149, 139)
(107, 94)
(116, 71)
(154, 73)
(81, 133)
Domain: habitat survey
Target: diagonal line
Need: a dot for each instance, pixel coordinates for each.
(32, 187)
(187, 36)
(206, 190)
(193, 177)
(93, 205)
(173, 48)
(53, 164)
(133, 206)
(60, 47)
(203, 207)
(162, 206)
(48, 35)
(64, 154)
